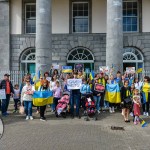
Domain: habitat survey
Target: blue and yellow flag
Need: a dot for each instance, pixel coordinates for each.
(91, 76)
(140, 69)
(112, 94)
(42, 98)
(67, 69)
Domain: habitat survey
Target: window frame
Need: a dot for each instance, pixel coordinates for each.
(138, 16)
(25, 25)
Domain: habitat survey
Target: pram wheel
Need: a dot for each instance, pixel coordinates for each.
(64, 115)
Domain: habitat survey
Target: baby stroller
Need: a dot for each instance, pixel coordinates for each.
(91, 111)
(63, 106)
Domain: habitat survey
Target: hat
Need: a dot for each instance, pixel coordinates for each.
(6, 75)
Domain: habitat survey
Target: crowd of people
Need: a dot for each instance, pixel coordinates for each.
(134, 94)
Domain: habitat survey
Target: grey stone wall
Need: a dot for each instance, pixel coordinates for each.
(62, 44)
(4, 35)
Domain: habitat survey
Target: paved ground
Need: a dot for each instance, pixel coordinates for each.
(73, 134)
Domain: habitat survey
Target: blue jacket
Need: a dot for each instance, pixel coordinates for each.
(85, 88)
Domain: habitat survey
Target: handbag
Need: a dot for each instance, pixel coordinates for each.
(128, 101)
(21, 110)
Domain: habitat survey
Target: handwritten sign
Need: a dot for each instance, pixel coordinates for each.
(74, 84)
(55, 66)
(48, 79)
(2, 94)
(79, 67)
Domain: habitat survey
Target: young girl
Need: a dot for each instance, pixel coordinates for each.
(136, 106)
(57, 93)
(16, 97)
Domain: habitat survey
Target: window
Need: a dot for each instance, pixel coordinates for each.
(30, 18)
(80, 17)
(130, 16)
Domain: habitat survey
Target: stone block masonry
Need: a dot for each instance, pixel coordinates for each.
(62, 44)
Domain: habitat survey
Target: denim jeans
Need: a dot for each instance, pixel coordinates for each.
(28, 108)
(16, 103)
(5, 103)
(97, 102)
(75, 99)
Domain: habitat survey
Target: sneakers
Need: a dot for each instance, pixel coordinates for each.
(110, 110)
(42, 119)
(31, 118)
(147, 114)
(144, 113)
(131, 114)
(98, 112)
(27, 117)
(135, 122)
(113, 109)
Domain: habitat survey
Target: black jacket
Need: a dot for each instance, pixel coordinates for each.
(123, 92)
(3, 86)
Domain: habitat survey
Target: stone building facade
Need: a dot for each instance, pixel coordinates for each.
(14, 47)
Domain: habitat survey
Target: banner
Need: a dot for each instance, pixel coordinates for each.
(73, 84)
(67, 69)
(2, 94)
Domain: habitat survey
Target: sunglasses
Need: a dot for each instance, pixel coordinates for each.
(27, 81)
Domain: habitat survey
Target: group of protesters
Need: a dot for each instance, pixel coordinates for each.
(131, 95)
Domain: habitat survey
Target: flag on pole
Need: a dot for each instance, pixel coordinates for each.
(140, 69)
(91, 76)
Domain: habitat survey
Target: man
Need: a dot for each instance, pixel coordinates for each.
(6, 84)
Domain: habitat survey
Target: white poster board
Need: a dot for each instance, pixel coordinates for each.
(55, 66)
(130, 70)
(48, 79)
(2, 94)
(104, 69)
(74, 84)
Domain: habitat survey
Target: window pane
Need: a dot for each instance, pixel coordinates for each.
(81, 6)
(134, 20)
(86, 6)
(129, 20)
(124, 27)
(134, 12)
(124, 12)
(33, 8)
(80, 17)
(129, 12)
(28, 15)
(33, 14)
(129, 28)
(134, 4)
(27, 8)
(134, 27)
(129, 5)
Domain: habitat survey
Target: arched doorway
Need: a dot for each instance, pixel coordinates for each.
(81, 55)
(27, 61)
(132, 57)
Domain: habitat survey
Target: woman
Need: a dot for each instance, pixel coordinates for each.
(125, 98)
(26, 98)
(111, 105)
(43, 87)
(137, 84)
(146, 96)
(52, 86)
(96, 95)
(55, 73)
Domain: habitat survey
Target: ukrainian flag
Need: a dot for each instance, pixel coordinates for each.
(91, 76)
(112, 94)
(42, 98)
(140, 69)
(67, 69)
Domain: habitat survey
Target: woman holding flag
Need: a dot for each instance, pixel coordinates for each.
(43, 87)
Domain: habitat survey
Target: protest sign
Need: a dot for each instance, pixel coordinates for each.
(79, 67)
(104, 69)
(48, 79)
(99, 88)
(2, 94)
(55, 66)
(67, 69)
(130, 70)
(73, 84)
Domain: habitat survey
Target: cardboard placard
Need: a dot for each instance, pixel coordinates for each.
(67, 69)
(99, 88)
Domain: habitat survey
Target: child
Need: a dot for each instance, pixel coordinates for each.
(57, 93)
(136, 106)
(16, 97)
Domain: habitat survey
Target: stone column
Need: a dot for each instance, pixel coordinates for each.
(4, 35)
(114, 39)
(43, 35)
